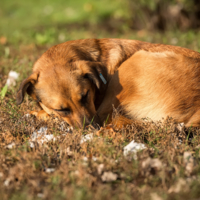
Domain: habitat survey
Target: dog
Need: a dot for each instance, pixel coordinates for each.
(82, 80)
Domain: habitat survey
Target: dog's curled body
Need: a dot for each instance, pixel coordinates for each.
(158, 85)
(146, 80)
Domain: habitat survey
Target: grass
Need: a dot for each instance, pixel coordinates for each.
(28, 28)
(26, 21)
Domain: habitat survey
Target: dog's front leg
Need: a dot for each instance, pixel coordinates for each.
(44, 113)
(40, 114)
(105, 110)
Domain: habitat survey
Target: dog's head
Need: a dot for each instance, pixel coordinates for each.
(67, 90)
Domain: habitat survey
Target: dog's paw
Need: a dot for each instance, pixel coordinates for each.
(40, 114)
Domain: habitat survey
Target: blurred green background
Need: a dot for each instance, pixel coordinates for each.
(47, 22)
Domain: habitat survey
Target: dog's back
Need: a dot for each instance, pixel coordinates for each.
(160, 85)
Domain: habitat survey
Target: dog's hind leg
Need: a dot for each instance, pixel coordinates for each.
(194, 120)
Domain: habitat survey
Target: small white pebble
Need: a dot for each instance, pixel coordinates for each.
(108, 177)
(69, 129)
(12, 77)
(6, 182)
(180, 126)
(31, 144)
(93, 158)
(10, 146)
(39, 133)
(100, 169)
(133, 147)
(86, 138)
(13, 74)
(40, 195)
(85, 159)
(49, 170)
(41, 137)
(27, 115)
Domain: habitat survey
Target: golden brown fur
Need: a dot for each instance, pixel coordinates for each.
(146, 80)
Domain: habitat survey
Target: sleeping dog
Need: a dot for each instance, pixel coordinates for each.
(82, 80)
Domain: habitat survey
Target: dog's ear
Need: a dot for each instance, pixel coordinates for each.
(26, 86)
(92, 71)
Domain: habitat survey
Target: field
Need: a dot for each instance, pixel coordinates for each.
(66, 168)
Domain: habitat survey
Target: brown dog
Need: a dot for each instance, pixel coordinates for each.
(81, 80)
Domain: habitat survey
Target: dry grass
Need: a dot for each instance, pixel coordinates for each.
(167, 169)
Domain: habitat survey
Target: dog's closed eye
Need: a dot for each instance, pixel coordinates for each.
(65, 111)
(84, 97)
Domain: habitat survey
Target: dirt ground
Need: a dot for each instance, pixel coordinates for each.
(68, 167)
